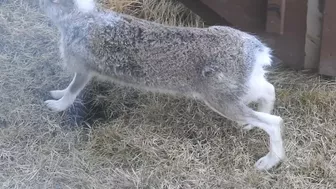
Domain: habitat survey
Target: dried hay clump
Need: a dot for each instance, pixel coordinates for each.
(168, 12)
(133, 139)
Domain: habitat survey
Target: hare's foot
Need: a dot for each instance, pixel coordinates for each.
(59, 105)
(57, 94)
(66, 97)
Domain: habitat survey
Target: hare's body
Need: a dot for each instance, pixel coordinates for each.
(219, 65)
(158, 57)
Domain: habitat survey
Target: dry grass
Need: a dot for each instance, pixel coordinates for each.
(165, 11)
(130, 139)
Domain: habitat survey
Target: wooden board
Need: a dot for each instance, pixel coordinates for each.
(328, 46)
(248, 15)
(289, 45)
(276, 16)
(313, 34)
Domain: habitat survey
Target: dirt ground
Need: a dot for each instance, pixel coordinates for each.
(116, 137)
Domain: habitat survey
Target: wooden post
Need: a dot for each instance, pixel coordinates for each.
(313, 34)
(276, 16)
(328, 47)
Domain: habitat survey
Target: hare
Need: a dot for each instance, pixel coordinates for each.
(221, 66)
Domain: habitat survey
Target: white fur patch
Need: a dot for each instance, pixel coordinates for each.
(259, 87)
(85, 5)
(264, 58)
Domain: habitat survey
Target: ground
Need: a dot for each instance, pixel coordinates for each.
(116, 137)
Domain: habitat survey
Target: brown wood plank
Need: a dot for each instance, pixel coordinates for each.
(313, 34)
(328, 46)
(206, 13)
(276, 16)
(290, 46)
(248, 15)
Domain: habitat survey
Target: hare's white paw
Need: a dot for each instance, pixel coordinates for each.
(267, 162)
(57, 105)
(57, 94)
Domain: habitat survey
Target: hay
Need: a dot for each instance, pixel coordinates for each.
(130, 139)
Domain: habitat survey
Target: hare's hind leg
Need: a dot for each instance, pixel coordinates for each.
(67, 96)
(238, 111)
(267, 98)
(262, 92)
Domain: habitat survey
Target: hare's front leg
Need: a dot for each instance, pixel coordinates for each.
(67, 96)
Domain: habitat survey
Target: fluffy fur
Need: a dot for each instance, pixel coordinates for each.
(85, 5)
(221, 66)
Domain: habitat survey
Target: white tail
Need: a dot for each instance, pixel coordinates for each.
(85, 5)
